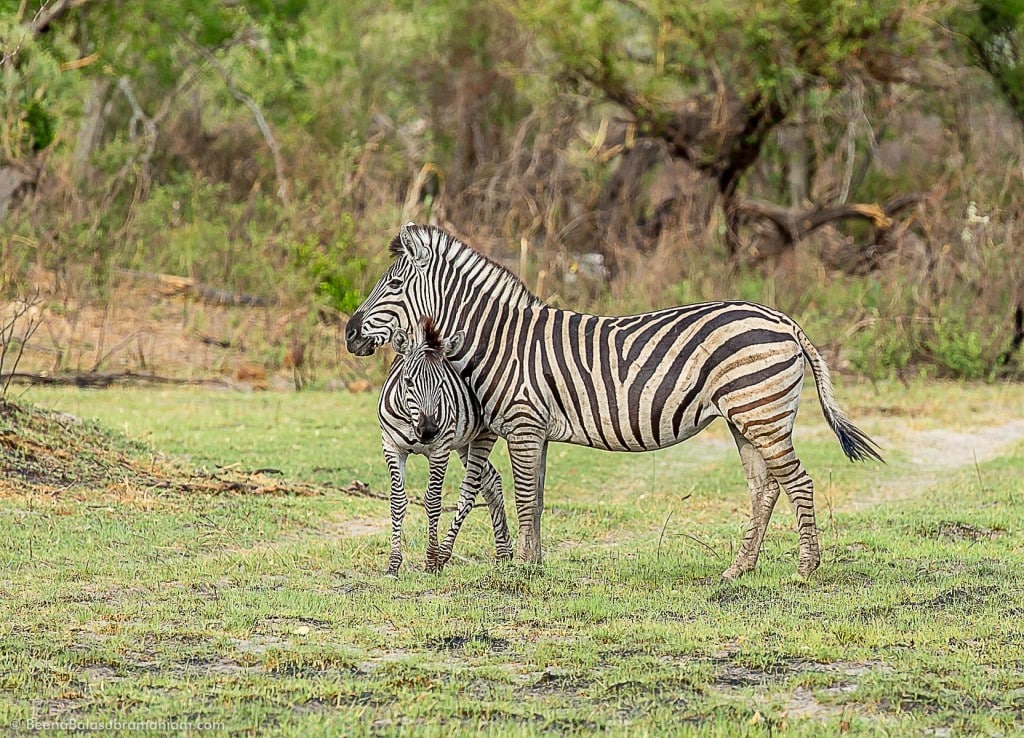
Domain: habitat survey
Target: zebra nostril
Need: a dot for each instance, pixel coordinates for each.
(352, 329)
(427, 430)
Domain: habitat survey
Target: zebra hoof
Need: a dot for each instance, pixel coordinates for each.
(805, 568)
(803, 574)
(391, 573)
(733, 573)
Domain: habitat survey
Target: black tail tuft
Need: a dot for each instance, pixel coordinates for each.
(855, 442)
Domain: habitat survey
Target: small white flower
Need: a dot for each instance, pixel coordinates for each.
(972, 214)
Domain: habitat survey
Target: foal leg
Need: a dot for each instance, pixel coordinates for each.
(480, 474)
(432, 504)
(399, 504)
(490, 486)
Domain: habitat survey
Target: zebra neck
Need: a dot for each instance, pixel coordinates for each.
(488, 279)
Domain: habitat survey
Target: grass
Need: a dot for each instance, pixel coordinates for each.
(214, 614)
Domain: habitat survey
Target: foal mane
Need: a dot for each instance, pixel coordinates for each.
(431, 335)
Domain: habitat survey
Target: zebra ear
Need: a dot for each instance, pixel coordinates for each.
(412, 247)
(401, 343)
(453, 345)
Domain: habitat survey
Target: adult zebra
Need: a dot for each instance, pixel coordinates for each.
(631, 383)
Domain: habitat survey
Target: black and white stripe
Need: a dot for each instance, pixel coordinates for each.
(426, 408)
(631, 383)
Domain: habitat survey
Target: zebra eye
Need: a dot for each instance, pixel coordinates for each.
(395, 284)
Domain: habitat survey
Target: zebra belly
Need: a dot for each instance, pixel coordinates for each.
(638, 416)
(691, 423)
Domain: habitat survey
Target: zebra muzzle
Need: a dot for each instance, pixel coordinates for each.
(355, 342)
(427, 428)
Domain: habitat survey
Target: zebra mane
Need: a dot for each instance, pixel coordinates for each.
(431, 335)
(448, 246)
(395, 248)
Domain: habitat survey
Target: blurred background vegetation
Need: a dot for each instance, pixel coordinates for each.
(858, 165)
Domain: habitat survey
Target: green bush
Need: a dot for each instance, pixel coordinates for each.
(334, 269)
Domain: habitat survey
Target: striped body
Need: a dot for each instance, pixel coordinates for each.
(630, 383)
(425, 408)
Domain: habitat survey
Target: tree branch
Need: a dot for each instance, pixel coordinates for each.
(47, 14)
(675, 130)
(257, 114)
(51, 12)
(794, 224)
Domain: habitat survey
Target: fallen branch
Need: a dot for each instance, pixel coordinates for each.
(794, 225)
(170, 284)
(98, 380)
(258, 483)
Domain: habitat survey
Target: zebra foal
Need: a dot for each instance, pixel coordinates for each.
(426, 408)
(620, 383)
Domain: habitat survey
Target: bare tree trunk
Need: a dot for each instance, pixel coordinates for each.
(90, 132)
(793, 141)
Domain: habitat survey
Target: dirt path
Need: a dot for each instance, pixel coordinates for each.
(932, 454)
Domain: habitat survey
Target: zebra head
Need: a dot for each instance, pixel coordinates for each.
(427, 378)
(400, 295)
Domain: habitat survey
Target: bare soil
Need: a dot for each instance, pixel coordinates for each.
(144, 328)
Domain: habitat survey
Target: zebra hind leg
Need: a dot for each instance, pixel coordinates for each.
(764, 416)
(764, 493)
(785, 466)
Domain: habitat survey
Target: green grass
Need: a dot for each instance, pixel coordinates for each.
(271, 614)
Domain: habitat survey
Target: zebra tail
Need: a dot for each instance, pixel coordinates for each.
(856, 444)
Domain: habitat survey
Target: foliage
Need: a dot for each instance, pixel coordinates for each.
(272, 148)
(755, 52)
(995, 31)
(334, 270)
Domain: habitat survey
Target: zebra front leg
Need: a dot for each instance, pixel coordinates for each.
(528, 452)
(490, 485)
(432, 504)
(764, 492)
(399, 504)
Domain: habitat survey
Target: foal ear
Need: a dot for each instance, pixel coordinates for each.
(401, 343)
(453, 345)
(412, 245)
